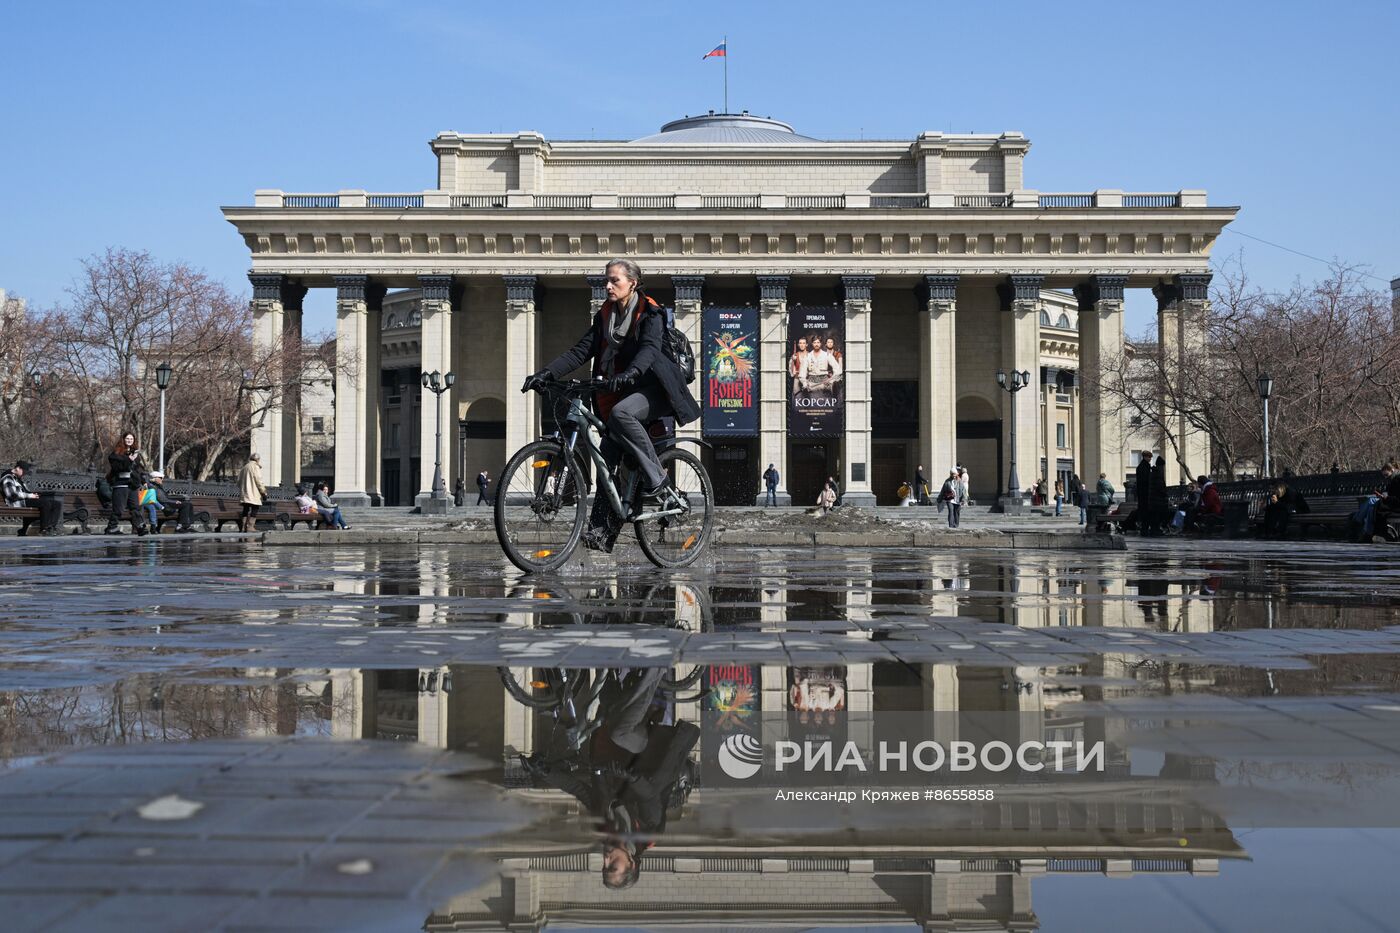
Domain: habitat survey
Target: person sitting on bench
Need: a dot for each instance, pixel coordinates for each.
(1209, 508)
(19, 496)
(330, 512)
(154, 502)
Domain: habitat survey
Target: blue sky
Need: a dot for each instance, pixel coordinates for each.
(130, 124)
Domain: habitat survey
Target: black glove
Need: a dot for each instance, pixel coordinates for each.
(537, 381)
(623, 381)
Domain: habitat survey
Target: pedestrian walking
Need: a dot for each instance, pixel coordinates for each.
(826, 499)
(1143, 478)
(459, 492)
(921, 485)
(483, 488)
(125, 475)
(251, 492)
(770, 483)
(1076, 494)
(1059, 496)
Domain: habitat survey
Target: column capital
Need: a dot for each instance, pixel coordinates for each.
(1015, 289)
(1182, 288)
(773, 287)
(598, 288)
(857, 287)
(522, 287)
(937, 288)
(350, 287)
(688, 287)
(439, 288)
(1098, 288)
(277, 287)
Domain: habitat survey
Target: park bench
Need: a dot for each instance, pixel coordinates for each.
(27, 516)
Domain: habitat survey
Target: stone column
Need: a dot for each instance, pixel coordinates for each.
(857, 462)
(597, 294)
(1049, 417)
(1182, 305)
(1020, 351)
(773, 383)
(441, 298)
(356, 390)
(277, 331)
(938, 380)
(688, 314)
(1100, 341)
(522, 409)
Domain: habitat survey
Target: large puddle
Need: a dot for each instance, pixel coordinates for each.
(203, 736)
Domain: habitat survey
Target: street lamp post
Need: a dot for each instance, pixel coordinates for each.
(437, 383)
(1266, 388)
(1013, 384)
(162, 383)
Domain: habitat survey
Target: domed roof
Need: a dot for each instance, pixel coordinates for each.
(725, 128)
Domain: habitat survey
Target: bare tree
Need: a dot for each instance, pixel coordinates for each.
(126, 314)
(1331, 348)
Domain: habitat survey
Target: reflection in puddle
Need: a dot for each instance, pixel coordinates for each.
(619, 715)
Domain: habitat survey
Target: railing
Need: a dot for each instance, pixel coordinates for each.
(647, 200)
(898, 200)
(568, 201)
(395, 200)
(1316, 486)
(729, 200)
(311, 200)
(817, 200)
(887, 201)
(982, 200)
(1160, 864)
(478, 200)
(1066, 200)
(1151, 200)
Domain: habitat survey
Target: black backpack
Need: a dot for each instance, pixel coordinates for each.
(677, 349)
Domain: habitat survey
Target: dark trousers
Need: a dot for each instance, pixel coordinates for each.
(627, 425)
(772, 496)
(481, 496)
(954, 514)
(50, 512)
(122, 506)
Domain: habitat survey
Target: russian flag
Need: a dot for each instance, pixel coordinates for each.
(716, 52)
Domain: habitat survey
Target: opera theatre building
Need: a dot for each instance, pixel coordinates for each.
(851, 302)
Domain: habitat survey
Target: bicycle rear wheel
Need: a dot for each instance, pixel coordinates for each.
(678, 540)
(539, 509)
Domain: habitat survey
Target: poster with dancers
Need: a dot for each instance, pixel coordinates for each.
(816, 372)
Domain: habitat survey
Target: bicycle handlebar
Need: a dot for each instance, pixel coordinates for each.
(579, 387)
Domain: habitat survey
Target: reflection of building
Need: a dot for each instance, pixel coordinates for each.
(936, 252)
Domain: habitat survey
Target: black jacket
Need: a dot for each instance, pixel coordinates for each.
(123, 463)
(639, 350)
(1144, 483)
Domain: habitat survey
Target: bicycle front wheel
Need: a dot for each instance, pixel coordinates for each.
(678, 540)
(539, 507)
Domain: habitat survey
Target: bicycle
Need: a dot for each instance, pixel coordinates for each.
(543, 495)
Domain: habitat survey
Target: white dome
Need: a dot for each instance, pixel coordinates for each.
(725, 128)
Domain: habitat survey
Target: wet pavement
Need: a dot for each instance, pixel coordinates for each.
(216, 735)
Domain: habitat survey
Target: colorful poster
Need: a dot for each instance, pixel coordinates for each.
(730, 359)
(733, 693)
(816, 372)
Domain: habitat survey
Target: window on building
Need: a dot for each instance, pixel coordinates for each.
(1060, 436)
(1063, 321)
(1044, 318)
(318, 425)
(391, 320)
(393, 437)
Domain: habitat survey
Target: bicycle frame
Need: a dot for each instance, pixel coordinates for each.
(581, 418)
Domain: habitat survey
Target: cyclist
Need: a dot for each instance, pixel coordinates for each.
(624, 344)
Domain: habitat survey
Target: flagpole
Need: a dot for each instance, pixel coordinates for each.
(726, 74)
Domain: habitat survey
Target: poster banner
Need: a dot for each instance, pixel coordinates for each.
(730, 358)
(816, 372)
(731, 731)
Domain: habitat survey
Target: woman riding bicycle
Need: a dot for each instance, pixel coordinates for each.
(624, 343)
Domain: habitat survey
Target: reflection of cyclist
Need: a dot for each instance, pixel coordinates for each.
(637, 771)
(624, 343)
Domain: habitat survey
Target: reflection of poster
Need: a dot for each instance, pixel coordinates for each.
(817, 700)
(816, 372)
(730, 360)
(733, 696)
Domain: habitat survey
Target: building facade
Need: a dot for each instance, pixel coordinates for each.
(930, 257)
